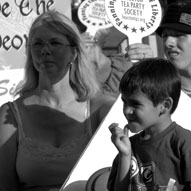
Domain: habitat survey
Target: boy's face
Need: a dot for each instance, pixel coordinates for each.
(140, 112)
(177, 48)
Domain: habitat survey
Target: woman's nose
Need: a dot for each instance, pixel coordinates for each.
(45, 50)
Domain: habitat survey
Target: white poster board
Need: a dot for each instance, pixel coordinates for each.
(92, 14)
(134, 18)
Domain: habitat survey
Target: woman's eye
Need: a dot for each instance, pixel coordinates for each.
(54, 43)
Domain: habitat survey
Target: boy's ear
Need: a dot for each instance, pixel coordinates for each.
(166, 105)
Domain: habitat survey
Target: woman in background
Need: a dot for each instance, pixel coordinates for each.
(44, 131)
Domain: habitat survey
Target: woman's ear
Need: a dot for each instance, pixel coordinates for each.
(166, 105)
(75, 54)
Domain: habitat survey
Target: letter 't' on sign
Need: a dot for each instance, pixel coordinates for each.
(134, 18)
(92, 14)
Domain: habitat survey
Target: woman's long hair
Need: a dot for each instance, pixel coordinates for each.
(82, 75)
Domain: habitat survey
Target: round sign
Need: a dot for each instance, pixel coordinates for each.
(92, 14)
(134, 18)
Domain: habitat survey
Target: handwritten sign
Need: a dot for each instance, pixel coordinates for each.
(92, 14)
(16, 17)
(134, 18)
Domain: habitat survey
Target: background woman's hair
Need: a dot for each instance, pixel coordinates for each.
(82, 75)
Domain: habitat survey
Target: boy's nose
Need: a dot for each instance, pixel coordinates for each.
(170, 41)
(128, 110)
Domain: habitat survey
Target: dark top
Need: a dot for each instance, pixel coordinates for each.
(155, 161)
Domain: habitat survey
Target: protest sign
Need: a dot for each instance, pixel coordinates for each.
(92, 14)
(134, 18)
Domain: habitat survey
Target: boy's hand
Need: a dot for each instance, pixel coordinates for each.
(120, 139)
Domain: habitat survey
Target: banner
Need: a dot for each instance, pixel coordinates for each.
(134, 18)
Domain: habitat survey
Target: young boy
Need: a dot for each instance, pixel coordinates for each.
(161, 150)
(175, 31)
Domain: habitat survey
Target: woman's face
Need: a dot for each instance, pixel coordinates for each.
(177, 48)
(51, 52)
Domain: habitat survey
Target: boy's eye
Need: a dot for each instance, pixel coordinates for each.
(133, 103)
(177, 35)
(136, 105)
(164, 36)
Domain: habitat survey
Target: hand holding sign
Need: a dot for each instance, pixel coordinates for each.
(92, 14)
(134, 18)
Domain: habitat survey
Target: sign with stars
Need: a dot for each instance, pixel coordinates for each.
(92, 14)
(134, 18)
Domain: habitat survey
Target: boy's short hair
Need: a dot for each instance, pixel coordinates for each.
(177, 17)
(157, 78)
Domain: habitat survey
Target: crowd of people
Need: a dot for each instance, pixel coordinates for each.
(69, 88)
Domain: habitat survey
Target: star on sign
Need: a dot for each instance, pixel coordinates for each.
(125, 27)
(134, 30)
(142, 29)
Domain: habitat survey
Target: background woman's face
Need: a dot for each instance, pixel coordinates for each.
(51, 52)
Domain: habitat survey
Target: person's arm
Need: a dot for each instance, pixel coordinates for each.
(120, 63)
(118, 66)
(8, 151)
(122, 180)
(186, 165)
(121, 141)
(184, 147)
(110, 69)
(101, 63)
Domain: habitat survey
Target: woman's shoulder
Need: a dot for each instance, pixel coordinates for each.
(3, 110)
(27, 99)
